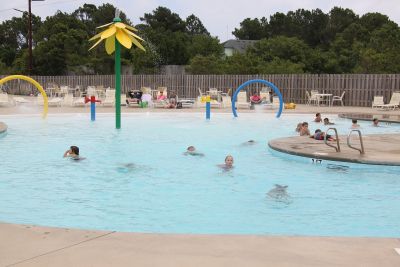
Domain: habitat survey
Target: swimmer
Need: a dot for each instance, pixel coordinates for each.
(318, 117)
(250, 142)
(327, 122)
(375, 122)
(127, 167)
(73, 153)
(191, 150)
(354, 125)
(228, 163)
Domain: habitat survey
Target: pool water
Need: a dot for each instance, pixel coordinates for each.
(137, 179)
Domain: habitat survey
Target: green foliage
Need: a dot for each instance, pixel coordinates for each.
(300, 41)
(194, 26)
(206, 65)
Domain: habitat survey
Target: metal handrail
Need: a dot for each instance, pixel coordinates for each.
(337, 139)
(362, 151)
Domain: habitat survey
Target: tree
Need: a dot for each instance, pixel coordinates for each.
(194, 26)
(206, 65)
(251, 29)
(204, 45)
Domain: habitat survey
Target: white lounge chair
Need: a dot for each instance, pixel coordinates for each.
(20, 100)
(338, 98)
(394, 102)
(242, 100)
(276, 102)
(56, 101)
(110, 98)
(157, 103)
(313, 97)
(123, 100)
(4, 99)
(226, 101)
(378, 102)
(264, 95)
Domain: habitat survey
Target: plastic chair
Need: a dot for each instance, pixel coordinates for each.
(338, 98)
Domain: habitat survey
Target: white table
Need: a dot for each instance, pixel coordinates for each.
(325, 97)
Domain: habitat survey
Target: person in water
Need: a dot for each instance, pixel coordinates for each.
(250, 142)
(73, 153)
(228, 163)
(191, 150)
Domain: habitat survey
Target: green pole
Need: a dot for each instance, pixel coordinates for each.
(117, 85)
(117, 82)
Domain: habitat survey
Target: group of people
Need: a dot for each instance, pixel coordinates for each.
(73, 153)
(145, 99)
(302, 127)
(191, 150)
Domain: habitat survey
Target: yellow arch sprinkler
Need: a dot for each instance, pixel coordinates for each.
(36, 84)
(116, 35)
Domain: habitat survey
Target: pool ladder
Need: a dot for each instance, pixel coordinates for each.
(361, 150)
(337, 147)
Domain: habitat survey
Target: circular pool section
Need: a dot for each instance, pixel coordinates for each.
(137, 179)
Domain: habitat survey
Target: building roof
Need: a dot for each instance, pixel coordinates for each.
(239, 45)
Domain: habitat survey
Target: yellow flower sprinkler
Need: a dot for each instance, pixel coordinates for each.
(116, 35)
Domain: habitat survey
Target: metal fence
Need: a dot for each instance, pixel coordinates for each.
(360, 88)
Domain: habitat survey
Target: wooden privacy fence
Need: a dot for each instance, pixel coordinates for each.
(360, 88)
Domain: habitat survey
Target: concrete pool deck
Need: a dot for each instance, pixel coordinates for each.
(380, 149)
(27, 245)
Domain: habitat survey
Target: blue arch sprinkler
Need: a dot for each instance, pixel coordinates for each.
(276, 90)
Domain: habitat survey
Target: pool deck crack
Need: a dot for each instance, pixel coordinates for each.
(59, 249)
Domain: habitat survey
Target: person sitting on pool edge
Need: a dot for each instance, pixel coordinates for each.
(73, 153)
(228, 163)
(191, 150)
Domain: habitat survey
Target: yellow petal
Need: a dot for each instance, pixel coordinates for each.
(105, 25)
(131, 28)
(120, 25)
(109, 32)
(110, 45)
(95, 44)
(134, 35)
(96, 36)
(136, 42)
(124, 39)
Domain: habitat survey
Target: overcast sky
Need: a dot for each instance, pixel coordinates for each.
(219, 17)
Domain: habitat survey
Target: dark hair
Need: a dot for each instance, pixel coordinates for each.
(318, 114)
(354, 121)
(375, 119)
(326, 119)
(75, 150)
(304, 123)
(317, 131)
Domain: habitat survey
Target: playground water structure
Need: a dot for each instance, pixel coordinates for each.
(137, 178)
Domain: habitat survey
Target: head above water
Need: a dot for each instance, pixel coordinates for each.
(191, 148)
(229, 161)
(354, 121)
(318, 115)
(75, 150)
(375, 121)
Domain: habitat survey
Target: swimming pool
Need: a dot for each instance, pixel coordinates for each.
(163, 191)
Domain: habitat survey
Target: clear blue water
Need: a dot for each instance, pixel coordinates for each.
(167, 192)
